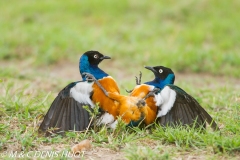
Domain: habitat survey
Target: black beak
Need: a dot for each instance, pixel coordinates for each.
(105, 57)
(150, 68)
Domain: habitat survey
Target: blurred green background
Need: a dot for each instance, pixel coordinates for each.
(188, 36)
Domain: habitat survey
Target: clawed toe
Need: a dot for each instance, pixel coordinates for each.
(89, 77)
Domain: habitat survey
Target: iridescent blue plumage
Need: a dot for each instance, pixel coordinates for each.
(85, 66)
(161, 83)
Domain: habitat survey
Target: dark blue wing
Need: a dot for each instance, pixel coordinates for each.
(186, 111)
(65, 113)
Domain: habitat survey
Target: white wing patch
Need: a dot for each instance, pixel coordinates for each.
(105, 119)
(165, 100)
(113, 125)
(81, 92)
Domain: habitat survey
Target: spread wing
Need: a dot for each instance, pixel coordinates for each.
(179, 108)
(67, 112)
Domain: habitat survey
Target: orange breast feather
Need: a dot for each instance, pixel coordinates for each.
(149, 110)
(125, 106)
(128, 109)
(107, 104)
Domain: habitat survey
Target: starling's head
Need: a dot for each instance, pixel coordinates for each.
(162, 73)
(94, 57)
(89, 62)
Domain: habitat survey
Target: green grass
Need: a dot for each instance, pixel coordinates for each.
(21, 111)
(41, 37)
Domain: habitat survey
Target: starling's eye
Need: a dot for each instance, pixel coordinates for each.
(160, 70)
(95, 56)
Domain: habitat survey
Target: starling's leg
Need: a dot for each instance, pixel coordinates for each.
(91, 77)
(128, 91)
(152, 93)
(141, 103)
(138, 80)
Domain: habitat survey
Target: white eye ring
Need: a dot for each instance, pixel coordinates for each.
(95, 56)
(160, 70)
